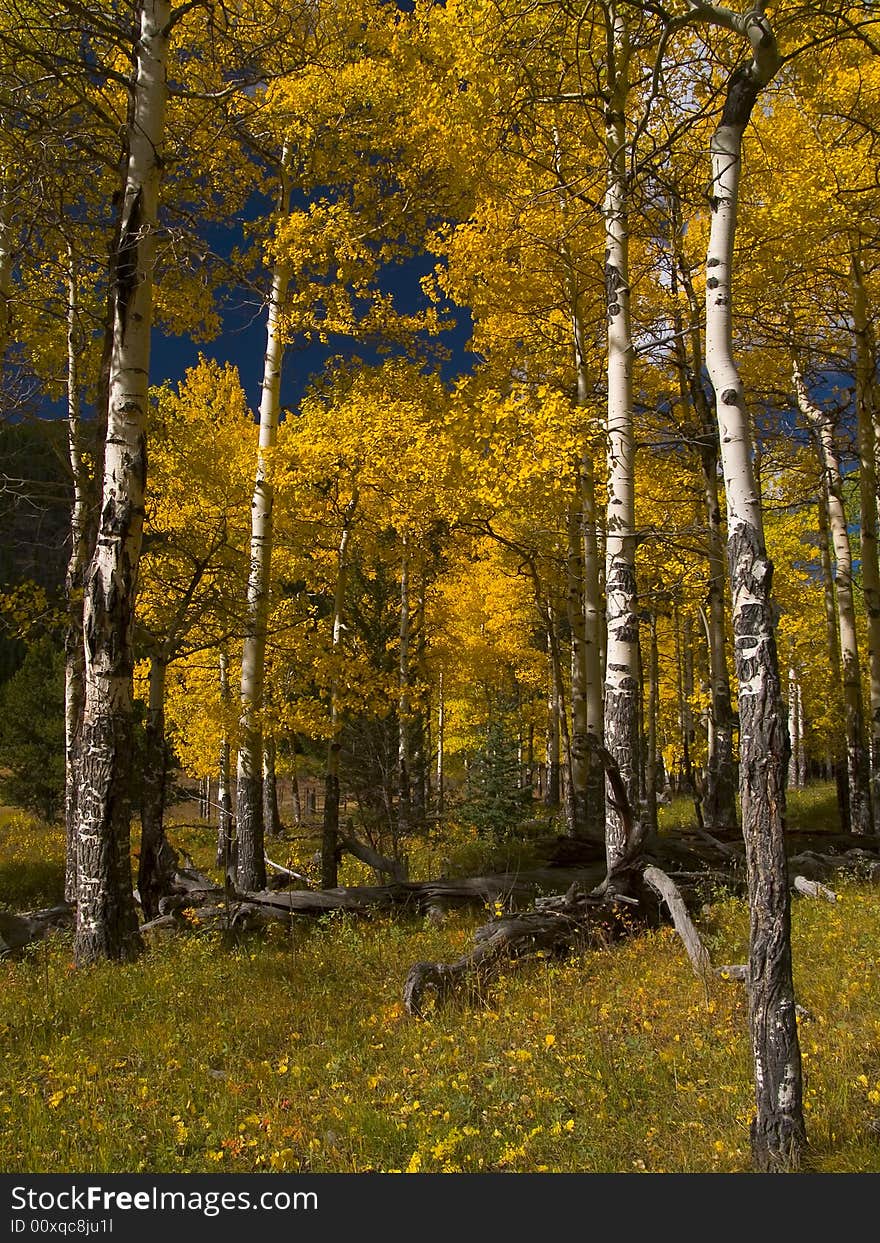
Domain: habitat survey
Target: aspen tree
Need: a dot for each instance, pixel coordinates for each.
(778, 1134)
(250, 867)
(106, 920)
(621, 714)
(858, 772)
(330, 831)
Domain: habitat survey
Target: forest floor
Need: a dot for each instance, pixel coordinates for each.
(292, 1051)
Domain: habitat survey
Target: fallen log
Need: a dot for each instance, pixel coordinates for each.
(395, 868)
(682, 922)
(549, 931)
(812, 889)
(18, 930)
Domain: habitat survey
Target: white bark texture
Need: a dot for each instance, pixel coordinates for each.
(250, 859)
(858, 778)
(621, 718)
(74, 655)
(106, 919)
(778, 1135)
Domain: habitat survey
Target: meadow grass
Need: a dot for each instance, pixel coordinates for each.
(292, 1051)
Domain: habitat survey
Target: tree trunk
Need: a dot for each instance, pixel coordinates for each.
(719, 795)
(857, 756)
(864, 376)
(74, 654)
(580, 750)
(587, 774)
(7, 248)
(271, 815)
(330, 832)
(403, 705)
(157, 861)
(225, 828)
(651, 782)
(250, 868)
(777, 1134)
(794, 738)
(552, 785)
(719, 799)
(837, 765)
(294, 793)
(622, 727)
(106, 918)
(593, 630)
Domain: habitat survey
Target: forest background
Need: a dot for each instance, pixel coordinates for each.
(447, 596)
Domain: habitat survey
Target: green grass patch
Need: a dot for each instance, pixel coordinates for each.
(292, 1051)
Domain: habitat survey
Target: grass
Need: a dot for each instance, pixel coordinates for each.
(292, 1052)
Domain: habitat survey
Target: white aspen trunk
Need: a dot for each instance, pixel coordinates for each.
(330, 831)
(802, 737)
(865, 414)
(106, 918)
(857, 756)
(74, 654)
(793, 734)
(719, 796)
(777, 1133)
(621, 722)
(838, 767)
(250, 866)
(224, 787)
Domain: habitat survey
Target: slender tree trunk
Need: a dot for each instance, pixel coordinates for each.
(330, 831)
(7, 256)
(837, 764)
(250, 861)
(857, 756)
(651, 782)
(593, 632)
(778, 1134)
(271, 815)
(106, 918)
(719, 796)
(404, 790)
(225, 828)
(552, 786)
(74, 654)
(794, 740)
(294, 792)
(864, 376)
(157, 860)
(622, 727)
(585, 599)
(580, 750)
